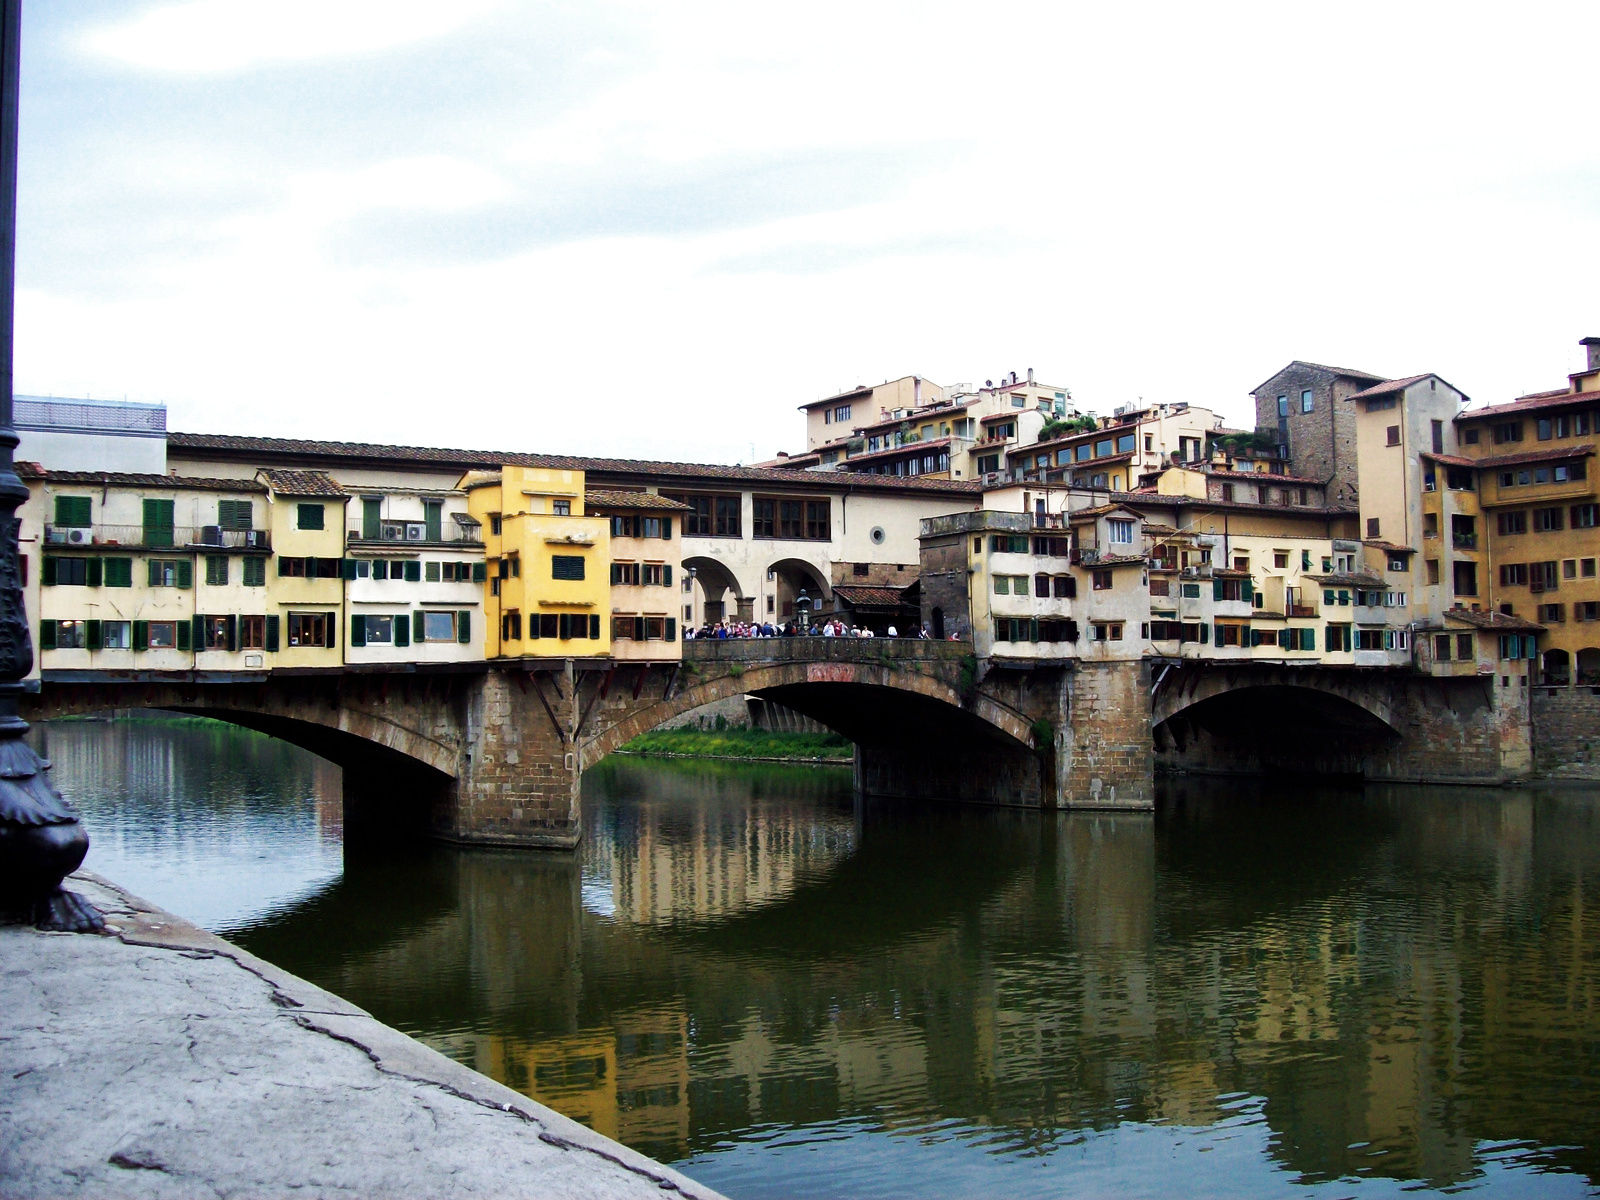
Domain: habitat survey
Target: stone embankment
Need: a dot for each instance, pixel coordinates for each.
(162, 1061)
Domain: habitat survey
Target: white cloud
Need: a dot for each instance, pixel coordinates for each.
(213, 36)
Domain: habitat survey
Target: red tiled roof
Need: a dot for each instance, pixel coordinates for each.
(1391, 547)
(926, 412)
(1449, 460)
(1493, 620)
(1300, 362)
(30, 470)
(648, 500)
(301, 483)
(858, 596)
(1390, 385)
(239, 447)
(1264, 477)
(911, 448)
(1534, 400)
(1532, 456)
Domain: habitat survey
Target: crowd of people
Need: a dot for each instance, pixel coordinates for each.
(831, 627)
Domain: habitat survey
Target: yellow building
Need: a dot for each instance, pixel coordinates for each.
(549, 590)
(646, 575)
(305, 596)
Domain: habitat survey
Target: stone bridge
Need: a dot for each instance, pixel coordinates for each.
(495, 753)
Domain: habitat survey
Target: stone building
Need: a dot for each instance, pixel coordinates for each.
(1304, 405)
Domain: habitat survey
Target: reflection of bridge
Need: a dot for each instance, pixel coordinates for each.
(496, 753)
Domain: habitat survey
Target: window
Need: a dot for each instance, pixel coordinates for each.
(622, 628)
(66, 572)
(494, 524)
(1513, 574)
(1397, 562)
(1121, 532)
(1465, 651)
(309, 516)
(1438, 436)
(163, 635)
(1466, 579)
(1585, 516)
(377, 630)
(841, 413)
(158, 528)
(1432, 570)
(1546, 520)
(438, 627)
(255, 572)
(1464, 532)
(310, 629)
(1542, 577)
(561, 508)
(1280, 559)
(1585, 610)
(1307, 404)
(1102, 581)
(1370, 639)
(1003, 543)
(1372, 527)
(1508, 431)
(1392, 436)
(236, 514)
(72, 512)
(657, 575)
(218, 633)
(1552, 614)
(216, 570)
(430, 572)
(566, 566)
(1380, 403)
(252, 633)
(1283, 406)
(116, 635)
(1105, 631)
(511, 627)
(1102, 448)
(1586, 565)
(1002, 585)
(70, 635)
(1511, 523)
(1336, 639)
(1227, 491)
(165, 572)
(1065, 587)
(1125, 443)
(1469, 437)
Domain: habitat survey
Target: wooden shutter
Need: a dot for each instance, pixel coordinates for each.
(1247, 592)
(47, 635)
(638, 629)
(199, 624)
(93, 573)
(1205, 633)
(347, 569)
(594, 625)
(185, 573)
(464, 626)
(1216, 589)
(402, 630)
(233, 633)
(94, 634)
(271, 638)
(141, 635)
(1283, 638)
(1033, 629)
(480, 572)
(358, 629)
(419, 629)
(183, 635)
(47, 573)
(666, 575)
(672, 629)
(158, 522)
(414, 571)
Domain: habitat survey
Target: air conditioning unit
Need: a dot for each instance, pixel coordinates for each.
(78, 537)
(416, 532)
(211, 535)
(55, 535)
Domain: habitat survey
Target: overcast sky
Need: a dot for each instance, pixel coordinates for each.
(653, 230)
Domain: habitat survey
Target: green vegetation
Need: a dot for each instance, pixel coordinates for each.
(740, 743)
(1058, 426)
(1264, 441)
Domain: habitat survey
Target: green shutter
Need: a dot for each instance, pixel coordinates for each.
(433, 520)
(419, 629)
(272, 633)
(414, 571)
(1328, 636)
(358, 630)
(594, 626)
(638, 629)
(199, 624)
(233, 633)
(47, 574)
(94, 573)
(282, 560)
(533, 625)
(464, 627)
(185, 573)
(1283, 638)
(47, 635)
(1247, 591)
(310, 516)
(141, 635)
(1205, 633)
(402, 630)
(371, 519)
(333, 630)
(480, 572)
(158, 523)
(72, 512)
(1216, 589)
(1344, 597)
(672, 629)
(119, 572)
(1033, 629)
(666, 575)
(183, 635)
(94, 634)
(347, 569)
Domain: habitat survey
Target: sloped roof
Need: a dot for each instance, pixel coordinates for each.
(1559, 398)
(302, 483)
(237, 447)
(1390, 547)
(648, 500)
(1493, 620)
(869, 597)
(1400, 385)
(32, 470)
(1300, 362)
(1532, 456)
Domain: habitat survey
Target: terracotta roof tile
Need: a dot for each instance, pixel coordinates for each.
(1391, 385)
(129, 479)
(1492, 620)
(1536, 400)
(648, 500)
(301, 483)
(1391, 547)
(1493, 462)
(858, 596)
(240, 447)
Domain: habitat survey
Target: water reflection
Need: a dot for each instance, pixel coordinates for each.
(1255, 990)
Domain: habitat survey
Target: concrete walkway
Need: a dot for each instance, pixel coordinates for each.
(162, 1061)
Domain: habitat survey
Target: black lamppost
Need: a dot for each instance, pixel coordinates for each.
(802, 608)
(41, 838)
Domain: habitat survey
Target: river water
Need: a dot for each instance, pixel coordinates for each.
(1258, 991)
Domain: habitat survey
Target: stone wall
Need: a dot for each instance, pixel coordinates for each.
(1566, 732)
(1105, 755)
(1322, 443)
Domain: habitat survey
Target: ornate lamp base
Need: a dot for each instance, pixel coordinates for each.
(42, 841)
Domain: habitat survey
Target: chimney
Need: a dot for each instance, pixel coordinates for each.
(916, 391)
(1030, 376)
(1592, 344)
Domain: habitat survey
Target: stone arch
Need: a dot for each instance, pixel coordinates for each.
(715, 579)
(1193, 688)
(788, 576)
(835, 693)
(1588, 666)
(1555, 668)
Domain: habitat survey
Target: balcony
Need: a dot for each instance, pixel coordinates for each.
(1464, 541)
(1301, 610)
(140, 537)
(415, 533)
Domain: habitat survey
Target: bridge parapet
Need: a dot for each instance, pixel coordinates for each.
(824, 649)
